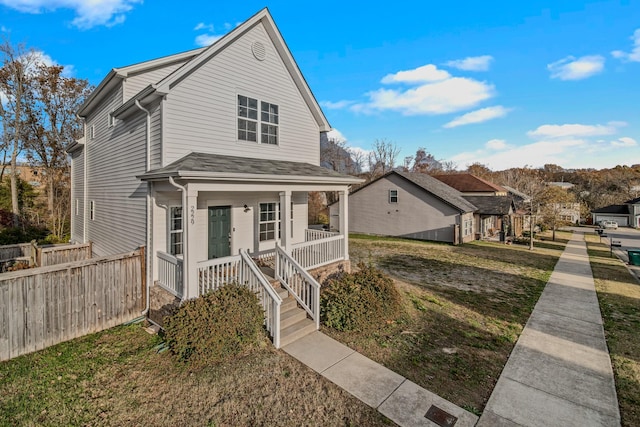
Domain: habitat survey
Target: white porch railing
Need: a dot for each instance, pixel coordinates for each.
(316, 253)
(299, 283)
(217, 272)
(241, 269)
(311, 234)
(170, 273)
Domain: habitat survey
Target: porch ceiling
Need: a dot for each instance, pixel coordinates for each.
(211, 166)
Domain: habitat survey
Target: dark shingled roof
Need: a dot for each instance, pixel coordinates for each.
(468, 183)
(491, 205)
(613, 209)
(442, 191)
(216, 166)
(635, 201)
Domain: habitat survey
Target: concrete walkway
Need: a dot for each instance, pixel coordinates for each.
(559, 373)
(397, 398)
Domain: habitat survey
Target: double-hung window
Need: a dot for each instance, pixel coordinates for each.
(247, 118)
(393, 196)
(249, 121)
(269, 123)
(468, 227)
(175, 230)
(269, 215)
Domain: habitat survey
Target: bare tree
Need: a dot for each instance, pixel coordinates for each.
(15, 77)
(383, 157)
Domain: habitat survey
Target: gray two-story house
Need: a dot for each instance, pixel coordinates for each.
(206, 158)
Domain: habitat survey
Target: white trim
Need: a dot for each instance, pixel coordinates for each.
(92, 210)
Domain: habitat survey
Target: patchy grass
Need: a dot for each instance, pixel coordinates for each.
(116, 378)
(466, 306)
(619, 296)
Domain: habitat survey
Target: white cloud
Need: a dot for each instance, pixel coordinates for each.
(336, 135)
(472, 63)
(207, 39)
(447, 96)
(625, 141)
(574, 130)
(496, 144)
(426, 73)
(571, 68)
(634, 55)
(478, 116)
(338, 105)
(89, 13)
(203, 26)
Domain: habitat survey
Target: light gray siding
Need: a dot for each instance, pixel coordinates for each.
(201, 110)
(114, 157)
(77, 196)
(416, 215)
(156, 134)
(135, 83)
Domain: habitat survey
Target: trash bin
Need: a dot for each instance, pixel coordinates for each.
(634, 256)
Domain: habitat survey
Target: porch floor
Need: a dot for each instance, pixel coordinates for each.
(397, 398)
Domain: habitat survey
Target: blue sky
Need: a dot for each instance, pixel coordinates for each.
(504, 83)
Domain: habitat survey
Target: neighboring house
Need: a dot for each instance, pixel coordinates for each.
(411, 205)
(627, 214)
(30, 174)
(494, 214)
(206, 158)
(567, 212)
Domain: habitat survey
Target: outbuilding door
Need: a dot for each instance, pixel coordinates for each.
(219, 231)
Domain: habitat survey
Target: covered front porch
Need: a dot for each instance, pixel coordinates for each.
(211, 228)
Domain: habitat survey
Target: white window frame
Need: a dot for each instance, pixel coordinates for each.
(467, 227)
(172, 246)
(77, 207)
(263, 121)
(273, 217)
(92, 210)
(92, 132)
(111, 120)
(393, 194)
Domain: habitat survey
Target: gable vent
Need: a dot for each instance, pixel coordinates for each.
(259, 51)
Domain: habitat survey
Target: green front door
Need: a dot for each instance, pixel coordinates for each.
(219, 231)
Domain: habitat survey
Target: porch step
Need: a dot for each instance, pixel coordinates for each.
(284, 294)
(291, 316)
(296, 331)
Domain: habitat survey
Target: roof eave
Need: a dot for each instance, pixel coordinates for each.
(212, 176)
(112, 79)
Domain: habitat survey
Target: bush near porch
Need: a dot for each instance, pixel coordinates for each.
(215, 327)
(465, 308)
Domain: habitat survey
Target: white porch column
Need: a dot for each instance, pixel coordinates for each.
(343, 207)
(190, 274)
(285, 220)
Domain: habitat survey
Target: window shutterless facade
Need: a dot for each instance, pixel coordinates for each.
(393, 196)
(92, 210)
(269, 215)
(175, 231)
(249, 121)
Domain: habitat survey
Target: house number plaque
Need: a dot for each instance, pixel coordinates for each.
(192, 214)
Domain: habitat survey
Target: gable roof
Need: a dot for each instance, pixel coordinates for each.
(200, 56)
(613, 209)
(468, 183)
(232, 168)
(491, 205)
(441, 191)
(517, 194)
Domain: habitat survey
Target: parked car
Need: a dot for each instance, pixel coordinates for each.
(609, 224)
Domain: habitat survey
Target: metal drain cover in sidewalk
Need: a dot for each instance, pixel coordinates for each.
(440, 417)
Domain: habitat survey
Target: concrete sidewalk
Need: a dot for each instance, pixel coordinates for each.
(397, 398)
(559, 373)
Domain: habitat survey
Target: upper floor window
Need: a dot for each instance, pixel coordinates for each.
(92, 131)
(393, 196)
(111, 120)
(249, 121)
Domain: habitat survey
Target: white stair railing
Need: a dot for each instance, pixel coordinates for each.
(316, 253)
(170, 273)
(299, 283)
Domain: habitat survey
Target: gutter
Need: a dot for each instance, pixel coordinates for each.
(149, 242)
(185, 245)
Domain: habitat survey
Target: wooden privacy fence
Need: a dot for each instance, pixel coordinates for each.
(44, 306)
(60, 254)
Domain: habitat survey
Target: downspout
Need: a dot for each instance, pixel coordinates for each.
(84, 181)
(149, 242)
(185, 246)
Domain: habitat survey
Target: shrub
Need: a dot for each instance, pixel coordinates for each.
(366, 299)
(215, 327)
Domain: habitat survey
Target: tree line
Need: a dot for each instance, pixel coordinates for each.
(37, 121)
